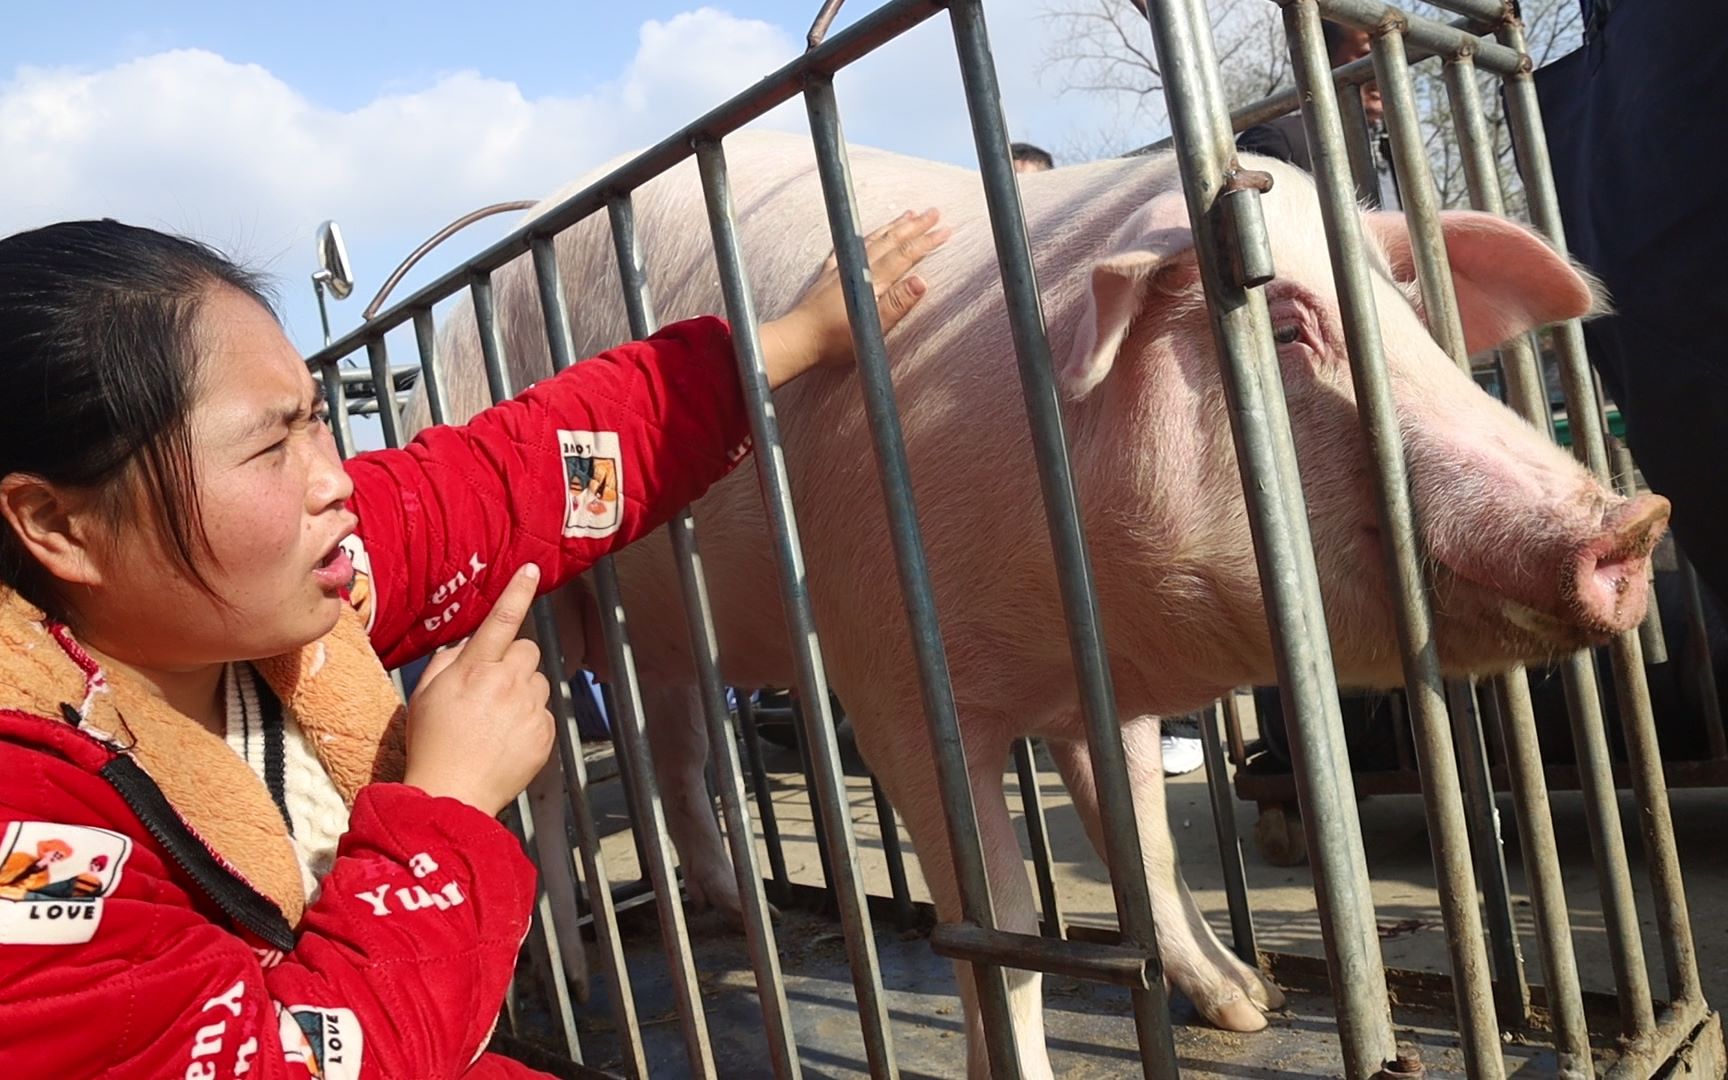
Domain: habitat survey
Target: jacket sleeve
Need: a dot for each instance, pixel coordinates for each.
(399, 971)
(581, 464)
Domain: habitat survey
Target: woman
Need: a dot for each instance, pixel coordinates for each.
(280, 870)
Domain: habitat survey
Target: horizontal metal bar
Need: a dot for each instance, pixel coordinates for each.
(1437, 38)
(861, 38)
(1484, 14)
(1647, 1057)
(1355, 73)
(1118, 965)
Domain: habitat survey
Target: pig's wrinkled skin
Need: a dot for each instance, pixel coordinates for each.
(1529, 555)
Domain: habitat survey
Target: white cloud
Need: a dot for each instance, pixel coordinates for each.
(191, 141)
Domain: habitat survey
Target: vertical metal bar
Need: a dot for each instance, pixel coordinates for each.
(634, 1059)
(626, 781)
(889, 829)
(704, 642)
(1038, 836)
(1229, 842)
(1542, 870)
(1441, 788)
(1067, 537)
(789, 561)
(801, 743)
(1265, 447)
(627, 720)
(1698, 638)
(384, 388)
(336, 396)
(543, 943)
(431, 377)
(1488, 852)
(1421, 200)
(1284, 551)
(942, 721)
(1357, 145)
(1517, 718)
(1643, 750)
(764, 797)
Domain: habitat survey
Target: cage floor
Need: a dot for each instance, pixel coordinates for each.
(1090, 1032)
(1089, 1028)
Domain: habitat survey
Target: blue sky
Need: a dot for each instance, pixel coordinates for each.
(247, 124)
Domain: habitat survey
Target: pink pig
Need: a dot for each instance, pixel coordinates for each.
(1530, 556)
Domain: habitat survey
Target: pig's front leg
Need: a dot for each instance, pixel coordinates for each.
(904, 763)
(1227, 992)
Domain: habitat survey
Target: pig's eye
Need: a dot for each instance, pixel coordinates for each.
(1288, 334)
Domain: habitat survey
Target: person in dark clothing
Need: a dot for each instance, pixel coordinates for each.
(1286, 139)
(1634, 121)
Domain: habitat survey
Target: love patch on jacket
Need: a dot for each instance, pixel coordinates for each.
(593, 482)
(52, 881)
(328, 1042)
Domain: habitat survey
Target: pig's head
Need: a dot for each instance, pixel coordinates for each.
(1528, 554)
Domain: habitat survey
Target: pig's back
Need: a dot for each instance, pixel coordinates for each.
(955, 380)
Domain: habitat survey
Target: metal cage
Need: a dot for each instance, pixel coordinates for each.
(1487, 988)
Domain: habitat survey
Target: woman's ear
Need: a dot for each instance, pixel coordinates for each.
(52, 524)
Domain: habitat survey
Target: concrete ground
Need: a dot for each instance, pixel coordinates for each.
(1091, 1033)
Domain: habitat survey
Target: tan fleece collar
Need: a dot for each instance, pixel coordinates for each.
(335, 689)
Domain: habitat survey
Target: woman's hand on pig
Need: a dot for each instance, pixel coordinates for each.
(815, 333)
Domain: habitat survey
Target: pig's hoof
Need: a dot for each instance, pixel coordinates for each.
(1265, 994)
(1278, 835)
(1236, 1014)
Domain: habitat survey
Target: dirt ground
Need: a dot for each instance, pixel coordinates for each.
(1090, 1029)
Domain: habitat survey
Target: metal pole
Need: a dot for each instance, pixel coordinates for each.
(1425, 693)
(789, 561)
(764, 797)
(1038, 837)
(1639, 723)
(758, 930)
(1284, 550)
(942, 721)
(627, 721)
(889, 828)
(1229, 842)
(1518, 723)
(1061, 508)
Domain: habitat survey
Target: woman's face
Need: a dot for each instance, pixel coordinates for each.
(273, 495)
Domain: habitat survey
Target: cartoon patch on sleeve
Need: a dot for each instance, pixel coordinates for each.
(593, 483)
(52, 881)
(326, 1042)
(362, 595)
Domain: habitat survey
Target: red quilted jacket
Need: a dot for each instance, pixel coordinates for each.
(151, 918)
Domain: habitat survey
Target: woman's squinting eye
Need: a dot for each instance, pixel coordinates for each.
(1287, 334)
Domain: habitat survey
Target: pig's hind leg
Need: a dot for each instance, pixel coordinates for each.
(678, 741)
(1227, 991)
(903, 761)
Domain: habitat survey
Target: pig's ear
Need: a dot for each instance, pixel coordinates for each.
(1508, 280)
(1116, 288)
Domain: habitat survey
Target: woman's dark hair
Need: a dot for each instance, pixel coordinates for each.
(99, 361)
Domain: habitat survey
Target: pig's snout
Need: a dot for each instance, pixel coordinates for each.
(1603, 589)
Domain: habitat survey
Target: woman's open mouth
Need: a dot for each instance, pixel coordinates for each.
(335, 571)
